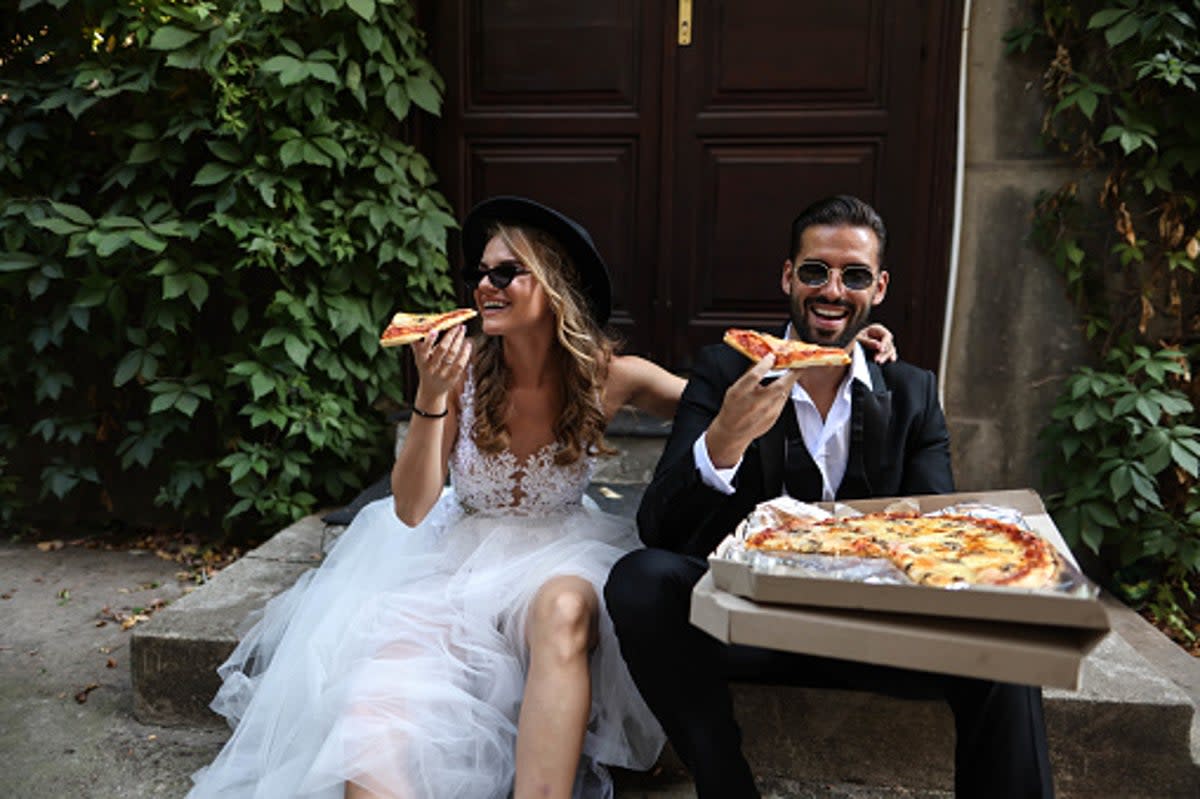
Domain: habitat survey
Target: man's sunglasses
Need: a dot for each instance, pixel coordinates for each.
(816, 274)
(500, 275)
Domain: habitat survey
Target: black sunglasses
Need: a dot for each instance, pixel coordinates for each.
(816, 274)
(500, 275)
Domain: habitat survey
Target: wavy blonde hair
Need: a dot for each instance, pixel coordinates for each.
(583, 351)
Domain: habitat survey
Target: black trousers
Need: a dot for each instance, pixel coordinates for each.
(684, 673)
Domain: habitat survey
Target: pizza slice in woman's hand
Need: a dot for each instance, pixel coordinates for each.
(405, 328)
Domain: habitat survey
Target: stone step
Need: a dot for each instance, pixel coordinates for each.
(1131, 730)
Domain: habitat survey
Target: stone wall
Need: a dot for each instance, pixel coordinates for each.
(1014, 335)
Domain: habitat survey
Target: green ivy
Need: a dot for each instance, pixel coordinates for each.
(207, 212)
(1123, 104)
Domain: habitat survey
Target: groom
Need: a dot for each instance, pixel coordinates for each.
(821, 433)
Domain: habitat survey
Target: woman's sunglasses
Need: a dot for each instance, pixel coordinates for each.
(500, 275)
(816, 274)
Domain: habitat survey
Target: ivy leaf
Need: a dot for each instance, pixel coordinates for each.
(364, 8)
(423, 93)
(261, 384)
(144, 152)
(290, 70)
(1185, 459)
(211, 174)
(297, 350)
(129, 366)
(169, 37)
(73, 213)
(1087, 102)
(62, 227)
(1123, 30)
(397, 101)
(1102, 19)
(16, 262)
(323, 72)
(292, 152)
(371, 37)
(108, 243)
(147, 240)
(226, 151)
(272, 6)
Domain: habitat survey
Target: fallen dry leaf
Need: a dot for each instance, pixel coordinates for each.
(50, 546)
(82, 696)
(5, 596)
(111, 664)
(130, 621)
(102, 623)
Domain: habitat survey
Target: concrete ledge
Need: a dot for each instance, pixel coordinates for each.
(1129, 731)
(174, 656)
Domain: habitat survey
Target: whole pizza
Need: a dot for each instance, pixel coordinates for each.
(941, 550)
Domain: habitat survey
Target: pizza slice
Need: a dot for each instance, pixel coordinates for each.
(405, 328)
(789, 354)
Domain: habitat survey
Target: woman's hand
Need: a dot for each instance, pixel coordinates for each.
(879, 340)
(441, 361)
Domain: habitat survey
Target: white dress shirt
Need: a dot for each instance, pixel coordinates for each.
(827, 440)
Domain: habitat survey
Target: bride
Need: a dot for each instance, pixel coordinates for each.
(453, 643)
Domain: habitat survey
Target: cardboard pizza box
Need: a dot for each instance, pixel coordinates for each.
(1080, 607)
(1009, 652)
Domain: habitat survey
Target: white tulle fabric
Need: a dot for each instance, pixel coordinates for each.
(400, 663)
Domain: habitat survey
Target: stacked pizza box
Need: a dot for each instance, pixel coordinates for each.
(865, 610)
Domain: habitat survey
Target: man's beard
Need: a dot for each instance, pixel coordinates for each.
(855, 322)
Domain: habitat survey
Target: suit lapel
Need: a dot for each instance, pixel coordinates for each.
(869, 414)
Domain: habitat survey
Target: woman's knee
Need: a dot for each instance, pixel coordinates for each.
(563, 619)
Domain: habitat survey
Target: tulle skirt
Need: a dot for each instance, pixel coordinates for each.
(400, 663)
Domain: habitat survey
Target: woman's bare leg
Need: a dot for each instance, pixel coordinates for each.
(356, 791)
(558, 691)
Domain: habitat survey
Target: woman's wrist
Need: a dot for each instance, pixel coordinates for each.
(430, 406)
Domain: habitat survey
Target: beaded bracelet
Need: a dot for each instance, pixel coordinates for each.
(428, 415)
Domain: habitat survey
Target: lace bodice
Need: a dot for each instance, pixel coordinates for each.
(501, 483)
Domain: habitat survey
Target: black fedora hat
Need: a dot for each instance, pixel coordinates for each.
(593, 274)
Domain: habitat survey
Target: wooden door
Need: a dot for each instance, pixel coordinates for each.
(688, 162)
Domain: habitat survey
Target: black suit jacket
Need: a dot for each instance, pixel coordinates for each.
(899, 446)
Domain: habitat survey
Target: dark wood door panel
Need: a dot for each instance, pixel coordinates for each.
(548, 53)
(789, 53)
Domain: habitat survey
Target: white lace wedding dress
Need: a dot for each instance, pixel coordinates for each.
(400, 662)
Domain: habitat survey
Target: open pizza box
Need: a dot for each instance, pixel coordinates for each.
(1023, 636)
(1076, 604)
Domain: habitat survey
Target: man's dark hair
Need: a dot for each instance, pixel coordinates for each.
(838, 211)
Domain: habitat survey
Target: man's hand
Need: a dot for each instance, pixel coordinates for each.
(878, 339)
(749, 410)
